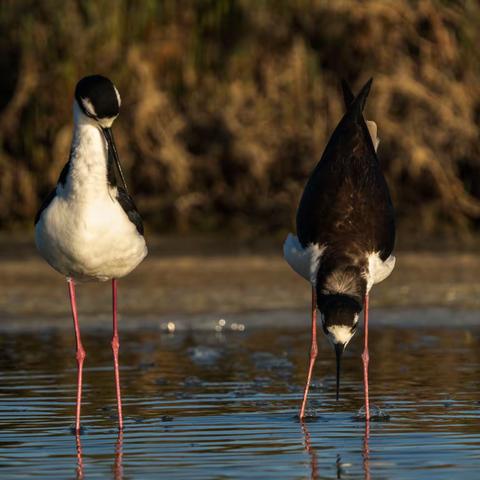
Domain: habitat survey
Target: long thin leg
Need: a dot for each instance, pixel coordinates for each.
(81, 354)
(115, 348)
(365, 358)
(313, 352)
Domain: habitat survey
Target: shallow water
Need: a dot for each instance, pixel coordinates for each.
(222, 404)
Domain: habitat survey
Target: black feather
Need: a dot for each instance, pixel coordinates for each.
(100, 92)
(128, 205)
(124, 199)
(348, 96)
(62, 180)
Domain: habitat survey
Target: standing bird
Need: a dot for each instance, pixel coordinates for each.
(346, 233)
(88, 228)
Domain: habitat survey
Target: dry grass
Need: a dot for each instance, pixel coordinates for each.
(228, 104)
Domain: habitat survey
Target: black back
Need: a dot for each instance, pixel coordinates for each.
(346, 204)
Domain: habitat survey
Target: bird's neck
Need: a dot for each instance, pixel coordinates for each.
(88, 160)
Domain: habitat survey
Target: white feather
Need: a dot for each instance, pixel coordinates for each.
(372, 129)
(378, 270)
(341, 281)
(304, 261)
(87, 104)
(118, 96)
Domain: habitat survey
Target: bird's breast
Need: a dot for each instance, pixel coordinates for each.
(93, 238)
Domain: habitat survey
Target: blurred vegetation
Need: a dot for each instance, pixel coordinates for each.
(227, 104)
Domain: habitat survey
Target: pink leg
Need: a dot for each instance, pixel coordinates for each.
(365, 358)
(80, 351)
(313, 352)
(115, 347)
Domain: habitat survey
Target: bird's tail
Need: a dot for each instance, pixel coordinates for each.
(349, 98)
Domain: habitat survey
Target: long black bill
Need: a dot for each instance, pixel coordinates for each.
(107, 132)
(339, 347)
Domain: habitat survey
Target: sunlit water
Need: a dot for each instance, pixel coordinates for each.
(218, 405)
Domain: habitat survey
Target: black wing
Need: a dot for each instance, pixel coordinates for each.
(123, 198)
(346, 203)
(348, 96)
(128, 205)
(62, 179)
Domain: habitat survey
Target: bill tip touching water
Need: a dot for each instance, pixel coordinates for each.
(89, 228)
(345, 233)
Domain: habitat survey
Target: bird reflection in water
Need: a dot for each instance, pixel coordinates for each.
(311, 451)
(314, 460)
(117, 464)
(79, 457)
(366, 451)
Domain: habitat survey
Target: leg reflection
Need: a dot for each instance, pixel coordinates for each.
(366, 452)
(79, 471)
(311, 452)
(117, 466)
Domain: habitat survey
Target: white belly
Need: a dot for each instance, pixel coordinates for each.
(92, 240)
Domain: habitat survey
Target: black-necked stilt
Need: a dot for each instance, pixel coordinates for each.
(346, 233)
(88, 228)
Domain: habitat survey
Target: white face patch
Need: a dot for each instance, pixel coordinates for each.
(106, 122)
(339, 334)
(88, 106)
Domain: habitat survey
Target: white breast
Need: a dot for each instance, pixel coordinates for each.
(89, 241)
(304, 261)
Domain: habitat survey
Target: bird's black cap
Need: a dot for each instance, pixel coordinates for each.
(338, 309)
(97, 97)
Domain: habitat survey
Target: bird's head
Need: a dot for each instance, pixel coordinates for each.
(98, 99)
(339, 322)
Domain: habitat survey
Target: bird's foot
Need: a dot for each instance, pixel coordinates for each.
(74, 431)
(310, 415)
(376, 414)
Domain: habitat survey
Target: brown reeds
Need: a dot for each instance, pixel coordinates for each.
(227, 104)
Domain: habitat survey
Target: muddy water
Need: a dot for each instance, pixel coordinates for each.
(222, 404)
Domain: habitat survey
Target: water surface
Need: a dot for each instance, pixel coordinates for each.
(220, 404)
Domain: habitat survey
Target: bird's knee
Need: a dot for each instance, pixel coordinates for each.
(80, 355)
(115, 344)
(365, 357)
